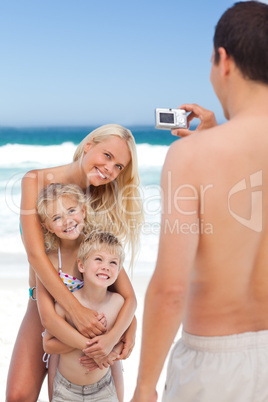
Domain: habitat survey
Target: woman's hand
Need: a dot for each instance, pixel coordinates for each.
(128, 340)
(206, 117)
(88, 322)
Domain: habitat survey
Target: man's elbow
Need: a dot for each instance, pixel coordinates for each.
(176, 294)
(172, 295)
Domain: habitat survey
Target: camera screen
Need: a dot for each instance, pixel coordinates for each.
(166, 118)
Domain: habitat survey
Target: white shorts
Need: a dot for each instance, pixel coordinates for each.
(231, 368)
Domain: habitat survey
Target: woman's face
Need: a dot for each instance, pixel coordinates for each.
(103, 162)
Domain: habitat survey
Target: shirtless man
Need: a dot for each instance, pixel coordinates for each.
(211, 271)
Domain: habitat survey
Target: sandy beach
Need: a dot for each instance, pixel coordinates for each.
(14, 298)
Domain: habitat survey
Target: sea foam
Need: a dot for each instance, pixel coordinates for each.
(19, 155)
(17, 159)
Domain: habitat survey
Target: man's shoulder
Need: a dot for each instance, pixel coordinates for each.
(201, 138)
(198, 145)
(193, 158)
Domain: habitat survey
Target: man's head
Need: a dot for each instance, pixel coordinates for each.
(243, 32)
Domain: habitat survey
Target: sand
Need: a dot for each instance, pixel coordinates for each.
(14, 298)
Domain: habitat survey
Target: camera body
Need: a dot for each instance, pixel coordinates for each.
(167, 119)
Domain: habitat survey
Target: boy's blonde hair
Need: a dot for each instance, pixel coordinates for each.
(97, 241)
(52, 193)
(117, 205)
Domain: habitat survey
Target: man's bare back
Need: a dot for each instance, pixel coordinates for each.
(228, 292)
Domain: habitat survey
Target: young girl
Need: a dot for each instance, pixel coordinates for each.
(65, 217)
(105, 167)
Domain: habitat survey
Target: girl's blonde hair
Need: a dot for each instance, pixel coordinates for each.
(52, 193)
(97, 241)
(117, 205)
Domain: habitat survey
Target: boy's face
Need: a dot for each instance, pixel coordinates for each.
(100, 268)
(65, 218)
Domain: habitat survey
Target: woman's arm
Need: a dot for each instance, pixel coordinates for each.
(54, 323)
(102, 345)
(124, 287)
(54, 319)
(85, 320)
(128, 340)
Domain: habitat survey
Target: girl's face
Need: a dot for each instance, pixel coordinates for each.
(65, 218)
(103, 162)
(100, 268)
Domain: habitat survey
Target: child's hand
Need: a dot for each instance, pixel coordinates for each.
(89, 363)
(108, 360)
(99, 347)
(101, 317)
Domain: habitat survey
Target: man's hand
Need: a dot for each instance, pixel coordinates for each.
(206, 117)
(144, 397)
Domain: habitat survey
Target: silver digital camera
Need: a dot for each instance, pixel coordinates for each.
(167, 119)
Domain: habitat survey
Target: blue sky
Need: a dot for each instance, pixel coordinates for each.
(83, 62)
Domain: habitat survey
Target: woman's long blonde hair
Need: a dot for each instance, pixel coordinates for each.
(117, 205)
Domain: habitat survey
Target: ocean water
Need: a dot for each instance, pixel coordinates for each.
(23, 149)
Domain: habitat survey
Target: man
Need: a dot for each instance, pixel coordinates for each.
(211, 271)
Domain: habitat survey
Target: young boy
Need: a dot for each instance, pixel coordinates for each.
(100, 258)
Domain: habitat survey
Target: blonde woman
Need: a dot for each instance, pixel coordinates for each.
(105, 168)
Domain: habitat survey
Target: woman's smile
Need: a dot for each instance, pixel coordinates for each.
(101, 174)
